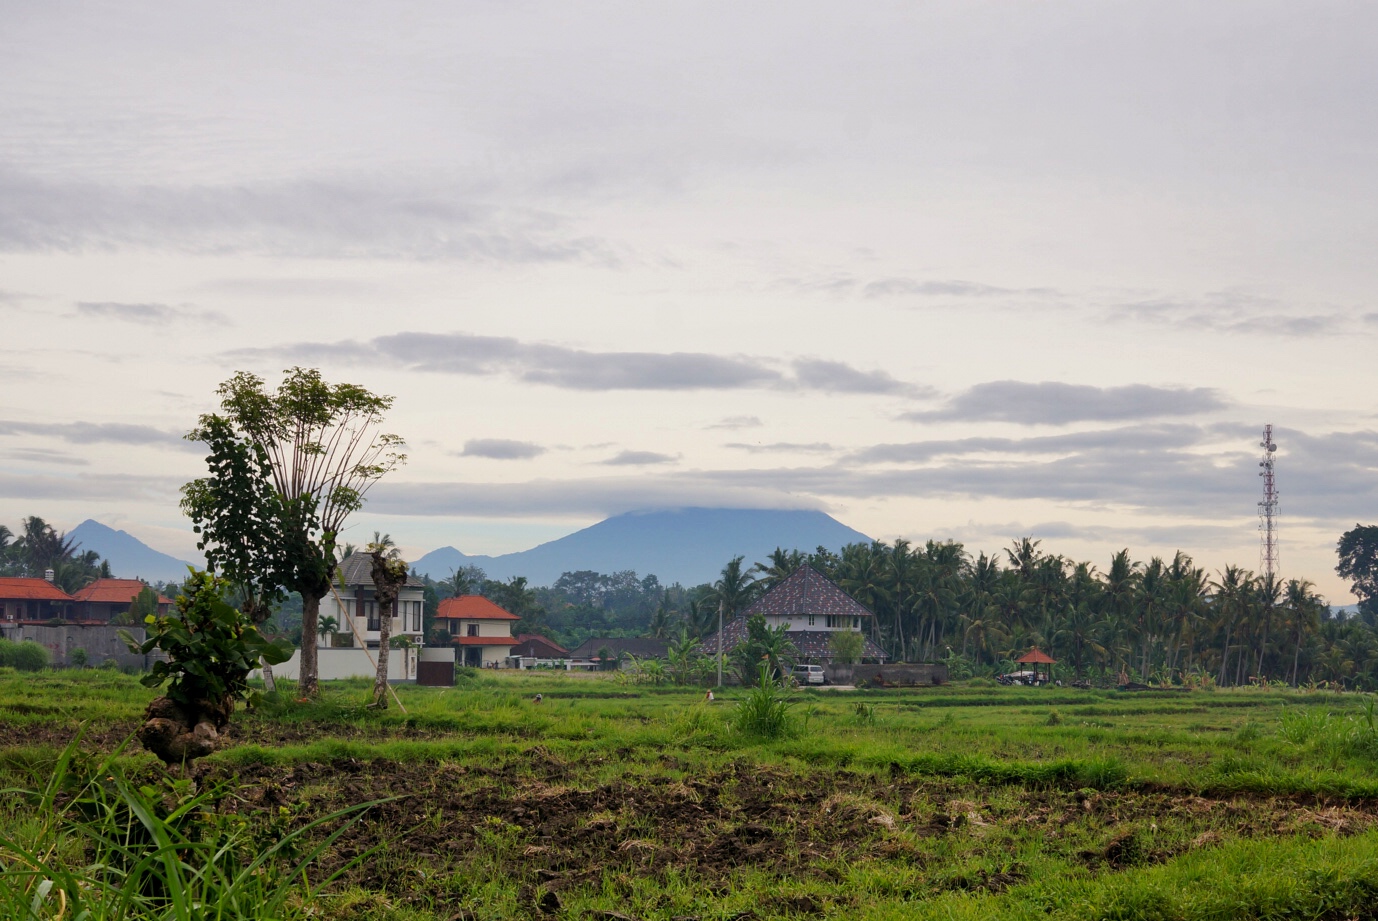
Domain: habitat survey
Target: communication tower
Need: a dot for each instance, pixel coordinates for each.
(1268, 508)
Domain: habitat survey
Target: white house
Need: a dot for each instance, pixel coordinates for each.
(479, 627)
(353, 602)
(812, 608)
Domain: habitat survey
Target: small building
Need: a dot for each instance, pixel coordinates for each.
(105, 600)
(23, 599)
(479, 627)
(533, 651)
(812, 608)
(354, 606)
(1041, 671)
(600, 651)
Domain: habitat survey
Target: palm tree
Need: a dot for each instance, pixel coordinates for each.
(327, 626)
(1230, 605)
(1303, 615)
(389, 573)
(782, 564)
(734, 590)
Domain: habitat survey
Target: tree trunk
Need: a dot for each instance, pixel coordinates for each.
(380, 681)
(1296, 654)
(308, 684)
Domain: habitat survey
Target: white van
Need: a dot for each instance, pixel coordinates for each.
(809, 674)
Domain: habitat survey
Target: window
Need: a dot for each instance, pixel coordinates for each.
(811, 620)
(371, 612)
(454, 626)
(473, 630)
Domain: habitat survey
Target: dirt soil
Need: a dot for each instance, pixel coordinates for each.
(555, 831)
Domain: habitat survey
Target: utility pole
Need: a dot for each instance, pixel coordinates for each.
(719, 643)
(1268, 508)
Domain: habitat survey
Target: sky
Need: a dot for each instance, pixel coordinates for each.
(969, 270)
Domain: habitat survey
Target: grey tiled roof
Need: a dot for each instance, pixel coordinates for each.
(639, 646)
(357, 569)
(807, 591)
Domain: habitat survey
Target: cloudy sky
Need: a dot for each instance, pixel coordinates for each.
(968, 270)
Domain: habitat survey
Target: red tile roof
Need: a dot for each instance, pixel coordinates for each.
(472, 607)
(484, 641)
(15, 589)
(113, 591)
(536, 646)
(1036, 656)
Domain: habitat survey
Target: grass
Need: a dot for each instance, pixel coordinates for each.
(946, 803)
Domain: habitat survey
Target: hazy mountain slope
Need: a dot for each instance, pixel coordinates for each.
(130, 558)
(688, 545)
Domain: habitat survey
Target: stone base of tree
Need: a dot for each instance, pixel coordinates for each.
(177, 734)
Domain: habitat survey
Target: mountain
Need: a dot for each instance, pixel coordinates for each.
(130, 558)
(686, 545)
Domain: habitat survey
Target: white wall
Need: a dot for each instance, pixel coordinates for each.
(350, 663)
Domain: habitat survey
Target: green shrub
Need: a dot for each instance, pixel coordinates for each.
(27, 656)
(77, 658)
(764, 712)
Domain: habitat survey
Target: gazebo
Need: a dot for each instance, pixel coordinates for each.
(1036, 657)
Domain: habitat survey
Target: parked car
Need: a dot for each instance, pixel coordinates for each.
(809, 674)
(1029, 678)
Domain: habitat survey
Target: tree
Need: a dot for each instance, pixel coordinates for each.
(846, 646)
(1358, 552)
(320, 446)
(210, 649)
(735, 589)
(326, 626)
(763, 644)
(389, 576)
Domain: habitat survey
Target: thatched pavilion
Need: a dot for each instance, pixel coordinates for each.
(1034, 658)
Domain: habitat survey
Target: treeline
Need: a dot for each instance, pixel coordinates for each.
(579, 604)
(37, 547)
(1154, 621)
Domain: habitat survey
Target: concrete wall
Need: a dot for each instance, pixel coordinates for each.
(917, 674)
(101, 642)
(351, 663)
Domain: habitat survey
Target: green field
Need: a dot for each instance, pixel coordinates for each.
(606, 800)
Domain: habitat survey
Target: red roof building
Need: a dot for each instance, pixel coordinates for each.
(532, 646)
(32, 599)
(105, 600)
(480, 627)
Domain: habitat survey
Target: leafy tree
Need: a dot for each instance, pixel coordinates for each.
(1358, 552)
(211, 648)
(846, 646)
(763, 644)
(326, 627)
(320, 446)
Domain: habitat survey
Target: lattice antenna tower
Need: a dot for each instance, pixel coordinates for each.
(1268, 508)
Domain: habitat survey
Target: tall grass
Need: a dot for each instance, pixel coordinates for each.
(100, 848)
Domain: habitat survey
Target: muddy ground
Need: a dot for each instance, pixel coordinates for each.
(541, 821)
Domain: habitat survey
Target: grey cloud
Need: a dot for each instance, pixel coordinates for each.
(737, 422)
(892, 287)
(639, 458)
(95, 487)
(578, 369)
(305, 218)
(1197, 471)
(836, 377)
(783, 447)
(95, 432)
(148, 313)
(1233, 312)
(501, 449)
(599, 496)
(1056, 403)
(44, 456)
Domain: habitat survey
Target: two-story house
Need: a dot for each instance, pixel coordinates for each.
(479, 627)
(812, 608)
(354, 605)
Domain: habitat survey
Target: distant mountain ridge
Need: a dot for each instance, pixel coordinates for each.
(686, 545)
(129, 557)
